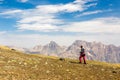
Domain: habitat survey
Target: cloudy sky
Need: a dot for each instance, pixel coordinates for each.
(27, 23)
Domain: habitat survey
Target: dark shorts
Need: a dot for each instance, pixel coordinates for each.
(82, 55)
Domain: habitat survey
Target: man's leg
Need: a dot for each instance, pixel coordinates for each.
(80, 59)
(84, 58)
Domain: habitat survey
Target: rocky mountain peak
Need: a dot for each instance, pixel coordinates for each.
(37, 47)
(52, 44)
(93, 50)
(78, 43)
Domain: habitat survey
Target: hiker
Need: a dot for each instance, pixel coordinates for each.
(82, 55)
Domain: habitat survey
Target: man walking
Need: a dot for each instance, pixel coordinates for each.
(82, 55)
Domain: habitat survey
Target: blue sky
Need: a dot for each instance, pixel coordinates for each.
(26, 23)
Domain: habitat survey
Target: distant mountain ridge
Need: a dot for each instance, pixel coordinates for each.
(94, 51)
(52, 49)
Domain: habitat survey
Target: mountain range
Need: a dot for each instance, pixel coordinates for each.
(94, 51)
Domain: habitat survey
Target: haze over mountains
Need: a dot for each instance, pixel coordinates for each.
(94, 51)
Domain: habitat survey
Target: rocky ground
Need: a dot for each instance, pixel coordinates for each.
(16, 65)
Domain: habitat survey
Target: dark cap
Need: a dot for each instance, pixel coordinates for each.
(81, 46)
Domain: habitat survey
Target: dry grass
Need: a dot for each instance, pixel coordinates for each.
(15, 65)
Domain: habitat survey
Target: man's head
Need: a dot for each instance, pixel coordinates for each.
(81, 46)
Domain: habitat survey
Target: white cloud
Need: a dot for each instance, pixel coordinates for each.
(89, 13)
(60, 8)
(11, 12)
(38, 21)
(23, 1)
(38, 27)
(100, 25)
(2, 32)
(44, 17)
(92, 12)
(77, 5)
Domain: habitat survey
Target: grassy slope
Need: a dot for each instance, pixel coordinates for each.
(15, 65)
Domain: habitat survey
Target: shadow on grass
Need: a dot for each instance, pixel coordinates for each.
(74, 62)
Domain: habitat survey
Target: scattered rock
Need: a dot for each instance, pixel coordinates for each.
(35, 66)
(62, 59)
(46, 63)
(25, 63)
(61, 66)
(47, 71)
(114, 72)
(102, 69)
(110, 75)
(91, 76)
(20, 63)
(51, 64)
(68, 70)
